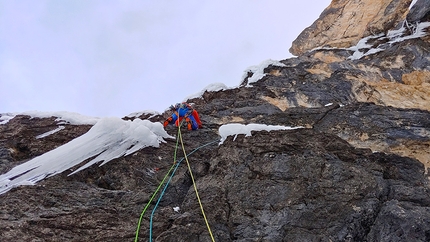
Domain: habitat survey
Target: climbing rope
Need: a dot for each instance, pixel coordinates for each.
(156, 191)
(175, 166)
(159, 199)
(195, 187)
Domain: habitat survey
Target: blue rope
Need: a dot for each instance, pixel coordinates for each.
(167, 184)
(156, 191)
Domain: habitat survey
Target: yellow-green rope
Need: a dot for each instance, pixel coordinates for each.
(195, 187)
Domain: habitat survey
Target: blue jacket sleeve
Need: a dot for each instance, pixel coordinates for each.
(174, 118)
(194, 124)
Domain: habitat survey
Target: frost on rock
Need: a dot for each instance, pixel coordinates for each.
(108, 139)
(257, 72)
(236, 129)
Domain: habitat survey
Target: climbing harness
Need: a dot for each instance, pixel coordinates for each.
(174, 167)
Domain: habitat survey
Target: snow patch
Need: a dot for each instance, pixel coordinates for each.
(62, 117)
(108, 139)
(214, 87)
(236, 129)
(152, 114)
(5, 117)
(258, 71)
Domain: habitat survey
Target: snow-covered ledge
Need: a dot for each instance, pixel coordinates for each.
(236, 129)
(108, 139)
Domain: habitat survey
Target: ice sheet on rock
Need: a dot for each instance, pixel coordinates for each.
(108, 139)
(412, 4)
(50, 132)
(363, 48)
(376, 43)
(366, 46)
(398, 35)
(236, 129)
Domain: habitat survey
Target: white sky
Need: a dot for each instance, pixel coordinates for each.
(112, 58)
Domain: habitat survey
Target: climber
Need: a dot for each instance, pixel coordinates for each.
(184, 111)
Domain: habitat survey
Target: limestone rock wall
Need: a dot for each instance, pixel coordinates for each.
(356, 171)
(343, 23)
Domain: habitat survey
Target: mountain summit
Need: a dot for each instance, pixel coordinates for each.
(331, 145)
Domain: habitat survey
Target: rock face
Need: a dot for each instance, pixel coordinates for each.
(19, 139)
(420, 12)
(344, 23)
(356, 171)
